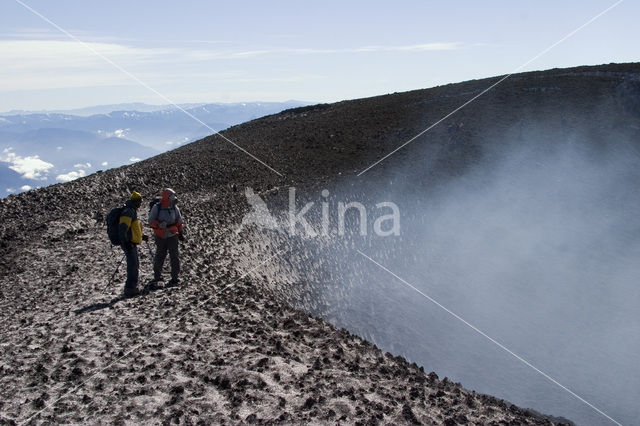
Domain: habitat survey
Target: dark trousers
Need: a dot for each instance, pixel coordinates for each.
(132, 267)
(163, 245)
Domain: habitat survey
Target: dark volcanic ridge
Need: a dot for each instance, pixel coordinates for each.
(232, 344)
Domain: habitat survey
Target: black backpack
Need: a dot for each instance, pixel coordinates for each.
(113, 223)
(155, 200)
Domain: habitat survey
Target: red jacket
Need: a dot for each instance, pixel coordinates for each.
(165, 218)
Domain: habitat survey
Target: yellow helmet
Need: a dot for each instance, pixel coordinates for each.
(136, 198)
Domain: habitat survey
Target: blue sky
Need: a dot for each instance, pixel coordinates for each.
(203, 51)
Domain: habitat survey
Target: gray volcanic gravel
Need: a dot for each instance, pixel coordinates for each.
(217, 349)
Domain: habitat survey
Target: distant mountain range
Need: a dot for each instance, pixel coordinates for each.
(103, 109)
(45, 147)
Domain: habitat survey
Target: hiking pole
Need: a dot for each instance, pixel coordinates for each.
(115, 272)
(153, 257)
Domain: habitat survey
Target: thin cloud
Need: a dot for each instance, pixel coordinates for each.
(69, 53)
(47, 33)
(29, 33)
(285, 79)
(364, 49)
(412, 47)
(69, 64)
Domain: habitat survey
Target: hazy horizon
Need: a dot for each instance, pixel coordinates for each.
(135, 106)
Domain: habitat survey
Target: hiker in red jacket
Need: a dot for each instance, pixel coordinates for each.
(166, 221)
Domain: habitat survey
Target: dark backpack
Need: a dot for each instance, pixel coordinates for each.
(153, 202)
(113, 223)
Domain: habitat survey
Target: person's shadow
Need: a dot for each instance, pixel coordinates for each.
(104, 305)
(99, 306)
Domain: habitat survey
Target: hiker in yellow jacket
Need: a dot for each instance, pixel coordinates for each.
(130, 235)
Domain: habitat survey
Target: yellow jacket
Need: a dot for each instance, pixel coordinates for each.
(130, 228)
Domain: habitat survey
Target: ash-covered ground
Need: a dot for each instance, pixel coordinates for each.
(233, 343)
(217, 349)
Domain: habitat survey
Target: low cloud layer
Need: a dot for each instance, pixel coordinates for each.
(30, 167)
(67, 177)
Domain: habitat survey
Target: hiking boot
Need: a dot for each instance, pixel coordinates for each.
(131, 292)
(153, 285)
(173, 283)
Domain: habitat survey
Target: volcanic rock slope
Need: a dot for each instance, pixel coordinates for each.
(227, 345)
